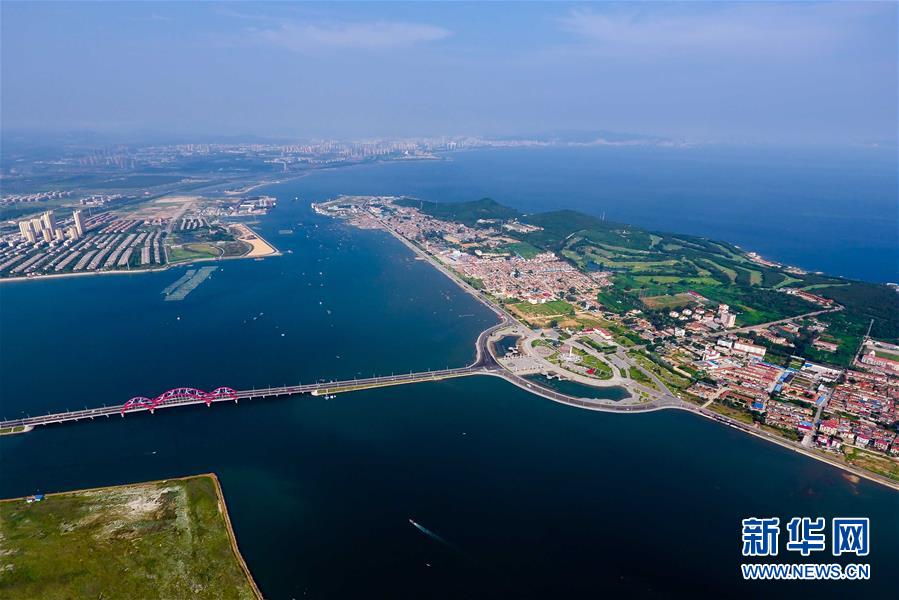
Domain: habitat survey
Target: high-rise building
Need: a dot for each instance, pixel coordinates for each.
(36, 225)
(79, 223)
(27, 231)
(48, 235)
(47, 220)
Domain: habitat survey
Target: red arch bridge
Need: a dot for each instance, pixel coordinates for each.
(179, 396)
(184, 396)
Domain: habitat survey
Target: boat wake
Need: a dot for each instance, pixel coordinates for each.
(432, 535)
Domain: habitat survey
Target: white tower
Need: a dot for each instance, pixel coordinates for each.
(79, 223)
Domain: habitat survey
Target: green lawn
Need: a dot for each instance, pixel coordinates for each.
(522, 249)
(663, 372)
(732, 412)
(638, 376)
(547, 309)
(193, 252)
(603, 371)
(165, 539)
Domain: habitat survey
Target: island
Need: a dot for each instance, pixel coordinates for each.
(807, 360)
(162, 539)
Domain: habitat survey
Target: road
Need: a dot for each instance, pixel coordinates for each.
(324, 387)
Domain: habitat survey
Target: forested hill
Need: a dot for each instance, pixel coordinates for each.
(467, 213)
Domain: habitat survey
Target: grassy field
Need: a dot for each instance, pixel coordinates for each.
(166, 539)
(603, 371)
(663, 372)
(193, 252)
(638, 376)
(668, 301)
(732, 412)
(522, 249)
(872, 462)
(553, 308)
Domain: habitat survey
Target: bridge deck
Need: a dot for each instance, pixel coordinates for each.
(288, 390)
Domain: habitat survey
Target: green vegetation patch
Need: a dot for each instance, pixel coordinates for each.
(668, 376)
(640, 377)
(166, 539)
(602, 370)
(656, 266)
(668, 301)
(872, 462)
(193, 252)
(522, 249)
(468, 213)
(552, 308)
(732, 411)
(887, 355)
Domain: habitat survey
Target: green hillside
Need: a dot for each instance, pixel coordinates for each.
(660, 265)
(467, 213)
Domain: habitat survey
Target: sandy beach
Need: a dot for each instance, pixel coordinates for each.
(259, 247)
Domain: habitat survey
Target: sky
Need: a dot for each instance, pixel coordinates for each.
(708, 72)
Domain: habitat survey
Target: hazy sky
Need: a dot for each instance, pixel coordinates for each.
(767, 72)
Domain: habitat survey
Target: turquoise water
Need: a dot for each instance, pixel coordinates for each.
(535, 499)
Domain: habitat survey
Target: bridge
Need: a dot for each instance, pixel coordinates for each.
(485, 363)
(192, 396)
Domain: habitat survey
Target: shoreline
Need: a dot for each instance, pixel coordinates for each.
(232, 537)
(160, 269)
(697, 411)
(259, 246)
(810, 453)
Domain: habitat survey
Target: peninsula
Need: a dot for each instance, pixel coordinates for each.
(803, 359)
(149, 235)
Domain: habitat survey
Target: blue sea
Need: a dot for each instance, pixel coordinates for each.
(827, 210)
(533, 499)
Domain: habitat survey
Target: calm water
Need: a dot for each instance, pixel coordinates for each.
(579, 390)
(534, 498)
